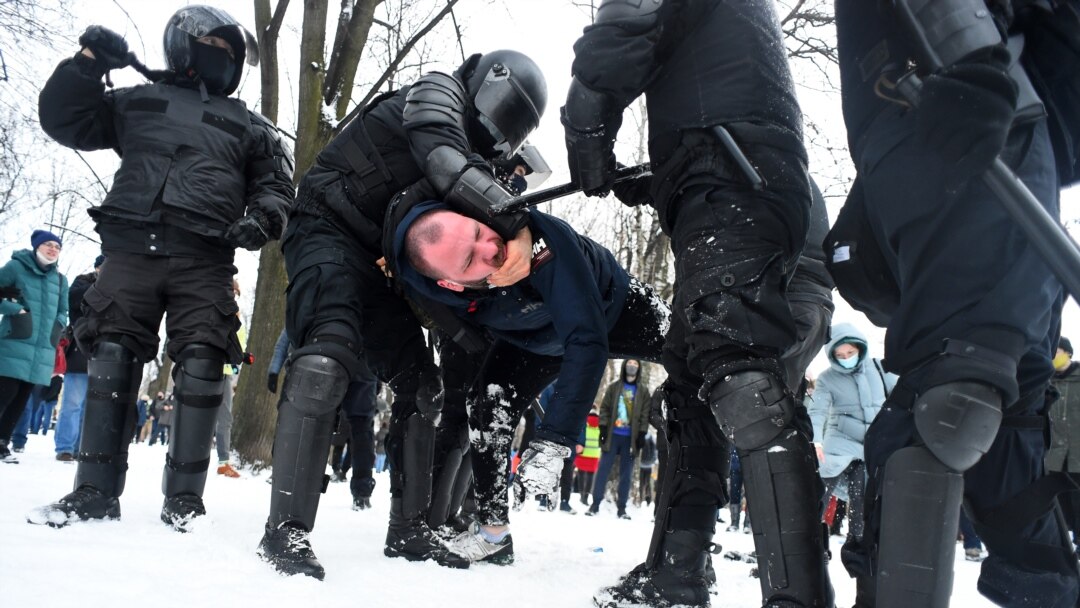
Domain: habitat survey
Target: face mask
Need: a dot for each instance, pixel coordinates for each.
(1061, 360)
(44, 261)
(631, 370)
(214, 66)
(848, 363)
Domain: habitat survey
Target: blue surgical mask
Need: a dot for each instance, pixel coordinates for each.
(848, 363)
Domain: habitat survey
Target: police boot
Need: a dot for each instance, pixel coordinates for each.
(783, 489)
(678, 577)
(200, 385)
(109, 420)
(408, 534)
(314, 388)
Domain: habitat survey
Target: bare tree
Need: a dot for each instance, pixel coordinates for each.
(325, 93)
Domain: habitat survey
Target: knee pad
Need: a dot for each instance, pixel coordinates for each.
(315, 384)
(752, 407)
(199, 376)
(958, 421)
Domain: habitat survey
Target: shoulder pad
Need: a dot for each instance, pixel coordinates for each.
(435, 98)
(278, 147)
(615, 10)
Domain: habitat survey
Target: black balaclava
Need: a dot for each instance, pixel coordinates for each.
(214, 66)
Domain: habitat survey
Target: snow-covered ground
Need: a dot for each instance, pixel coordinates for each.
(138, 561)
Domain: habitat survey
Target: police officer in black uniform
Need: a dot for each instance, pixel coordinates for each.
(340, 309)
(974, 326)
(731, 187)
(200, 175)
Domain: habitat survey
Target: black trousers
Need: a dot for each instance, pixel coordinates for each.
(13, 396)
(511, 378)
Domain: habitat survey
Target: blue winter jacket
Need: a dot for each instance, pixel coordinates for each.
(846, 401)
(566, 307)
(45, 295)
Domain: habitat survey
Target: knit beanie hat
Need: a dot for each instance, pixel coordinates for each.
(43, 236)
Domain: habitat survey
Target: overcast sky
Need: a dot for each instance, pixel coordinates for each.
(543, 29)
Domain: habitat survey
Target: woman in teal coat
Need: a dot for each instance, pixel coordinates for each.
(34, 308)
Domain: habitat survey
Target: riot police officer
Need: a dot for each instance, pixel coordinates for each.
(200, 175)
(447, 128)
(731, 187)
(976, 311)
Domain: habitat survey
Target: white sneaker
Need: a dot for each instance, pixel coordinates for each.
(472, 545)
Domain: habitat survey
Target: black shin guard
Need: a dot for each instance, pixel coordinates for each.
(314, 388)
(200, 385)
(412, 480)
(920, 510)
(109, 418)
(783, 497)
(450, 466)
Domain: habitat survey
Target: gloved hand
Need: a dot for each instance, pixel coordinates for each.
(634, 192)
(250, 232)
(10, 292)
(640, 442)
(430, 395)
(109, 48)
(603, 434)
(964, 113)
(540, 469)
(591, 156)
(272, 383)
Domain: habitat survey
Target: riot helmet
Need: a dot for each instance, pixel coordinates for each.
(509, 95)
(214, 67)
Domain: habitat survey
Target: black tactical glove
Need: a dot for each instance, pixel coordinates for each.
(591, 157)
(603, 435)
(250, 232)
(109, 48)
(429, 394)
(10, 292)
(634, 192)
(965, 112)
(272, 383)
(640, 443)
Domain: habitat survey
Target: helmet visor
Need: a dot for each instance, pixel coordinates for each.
(199, 21)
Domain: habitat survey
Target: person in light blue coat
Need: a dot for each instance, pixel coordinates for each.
(846, 399)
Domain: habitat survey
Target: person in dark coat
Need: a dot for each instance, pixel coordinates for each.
(1064, 452)
(624, 420)
(730, 184)
(576, 309)
(975, 313)
(448, 129)
(69, 421)
(34, 305)
(200, 175)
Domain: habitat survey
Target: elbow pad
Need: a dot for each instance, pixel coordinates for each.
(471, 190)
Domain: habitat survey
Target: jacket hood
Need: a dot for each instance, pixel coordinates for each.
(403, 271)
(846, 333)
(26, 258)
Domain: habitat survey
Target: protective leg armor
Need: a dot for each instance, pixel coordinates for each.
(314, 388)
(922, 491)
(109, 418)
(200, 385)
(783, 489)
(451, 474)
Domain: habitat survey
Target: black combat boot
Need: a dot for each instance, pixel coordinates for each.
(677, 579)
(414, 540)
(87, 502)
(288, 549)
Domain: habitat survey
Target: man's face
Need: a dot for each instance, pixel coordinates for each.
(217, 41)
(466, 254)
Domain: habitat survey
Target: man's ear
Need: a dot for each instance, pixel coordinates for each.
(452, 286)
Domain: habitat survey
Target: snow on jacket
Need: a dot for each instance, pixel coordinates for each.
(846, 401)
(45, 295)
